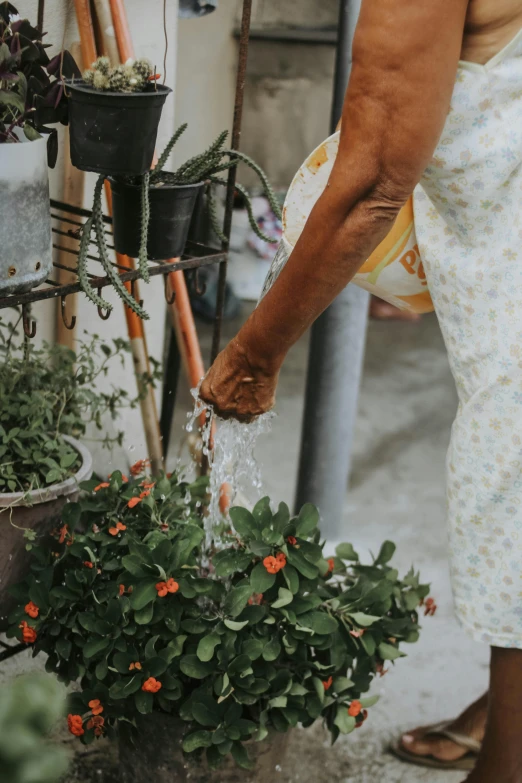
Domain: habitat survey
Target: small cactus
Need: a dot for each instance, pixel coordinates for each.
(132, 76)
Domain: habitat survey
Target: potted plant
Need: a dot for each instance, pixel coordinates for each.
(152, 213)
(114, 116)
(30, 706)
(48, 398)
(31, 98)
(199, 658)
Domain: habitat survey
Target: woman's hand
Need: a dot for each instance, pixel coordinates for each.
(238, 386)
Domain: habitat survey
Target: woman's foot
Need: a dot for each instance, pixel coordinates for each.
(471, 723)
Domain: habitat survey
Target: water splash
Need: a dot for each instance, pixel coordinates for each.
(234, 470)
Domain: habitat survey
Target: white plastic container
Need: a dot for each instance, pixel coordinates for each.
(25, 219)
(394, 272)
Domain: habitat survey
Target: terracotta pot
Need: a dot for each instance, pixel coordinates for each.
(38, 510)
(154, 754)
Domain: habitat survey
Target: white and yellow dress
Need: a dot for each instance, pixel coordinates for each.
(468, 222)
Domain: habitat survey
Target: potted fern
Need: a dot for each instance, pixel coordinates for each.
(152, 212)
(31, 98)
(198, 660)
(114, 116)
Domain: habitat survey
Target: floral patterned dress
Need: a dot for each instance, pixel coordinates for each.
(468, 220)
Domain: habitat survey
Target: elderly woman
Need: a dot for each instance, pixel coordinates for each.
(434, 106)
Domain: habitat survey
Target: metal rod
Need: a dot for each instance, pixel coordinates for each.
(335, 360)
(170, 385)
(40, 17)
(229, 203)
(80, 211)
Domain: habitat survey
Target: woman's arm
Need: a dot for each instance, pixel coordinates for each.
(405, 57)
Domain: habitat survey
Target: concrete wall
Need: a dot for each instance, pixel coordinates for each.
(147, 34)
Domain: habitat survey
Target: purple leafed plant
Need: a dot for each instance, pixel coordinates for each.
(31, 89)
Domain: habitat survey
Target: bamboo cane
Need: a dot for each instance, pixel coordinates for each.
(135, 327)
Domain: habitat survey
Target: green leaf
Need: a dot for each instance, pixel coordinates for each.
(198, 739)
(346, 552)
(205, 710)
(94, 646)
(244, 522)
(144, 616)
(320, 622)
(364, 620)
(344, 722)
(272, 650)
(144, 702)
(63, 648)
(142, 594)
(291, 578)
(341, 684)
(389, 653)
(11, 98)
(386, 553)
(285, 597)
(241, 757)
(193, 667)
(262, 512)
(260, 579)
(207, 645)
(298, 560)
(307, 520)
(237, 599)
(278, 701)
(235, 625)
(229, 562)
(173, 649)
(132, 564)
(369, 701)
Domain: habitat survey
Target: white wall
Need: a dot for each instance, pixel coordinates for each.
(147, 34)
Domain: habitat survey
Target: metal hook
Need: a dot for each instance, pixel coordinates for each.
(104, 316)
(169, 298)
(68, 324)
(199, 289)
(133, 293)
(29, 326)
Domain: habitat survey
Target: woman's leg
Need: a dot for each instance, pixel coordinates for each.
(471, 723)
(500, 760)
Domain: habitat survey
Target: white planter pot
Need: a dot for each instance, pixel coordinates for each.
(25, 219)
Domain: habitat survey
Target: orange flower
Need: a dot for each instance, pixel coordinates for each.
(161, 587)
(146, 485)
(63, 534)
(355, 708)
(103, 485)
(281, 559)
(431, 607)
(362, 718)
(151, 685)
(271, 564)
(139, 467)
(115, 530)
(96, 706)
(133, 502)
(31, 609)
(331, 565)
(144, 494)
(96, 721)
(122, 589)
(28, 632)
(75, 724)
(292, 540)
(357, 634)
(172, 585)
(255, 599)
(136, 665)
(379, 668)
(87, 564)
(328, 683)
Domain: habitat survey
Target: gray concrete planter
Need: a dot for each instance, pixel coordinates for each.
(154, 754)
(25, 218)
(38, 510)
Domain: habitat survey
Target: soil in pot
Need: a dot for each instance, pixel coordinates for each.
(114, 132)
(25, 218)
(154, 754)
(39, 510)
(171, 209)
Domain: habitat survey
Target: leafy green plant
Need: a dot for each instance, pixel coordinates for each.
(260, 635)
(31, 90)
(29, 708)
(48, 392)
(204, 167)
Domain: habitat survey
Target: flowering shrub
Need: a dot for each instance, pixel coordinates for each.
(259, 635)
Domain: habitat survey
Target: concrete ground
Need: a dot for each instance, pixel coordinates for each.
(397, 492)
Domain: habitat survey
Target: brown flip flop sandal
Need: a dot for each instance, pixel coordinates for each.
(466, 763)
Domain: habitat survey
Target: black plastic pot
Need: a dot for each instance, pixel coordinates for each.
(114, 132)
(171, 208)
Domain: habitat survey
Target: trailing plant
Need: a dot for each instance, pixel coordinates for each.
(204, 167)
(132, 76)
(48, 392)
(30, 706)
(262, 634)
(31, 88)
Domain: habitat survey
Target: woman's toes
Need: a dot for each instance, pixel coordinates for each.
(438, 747)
